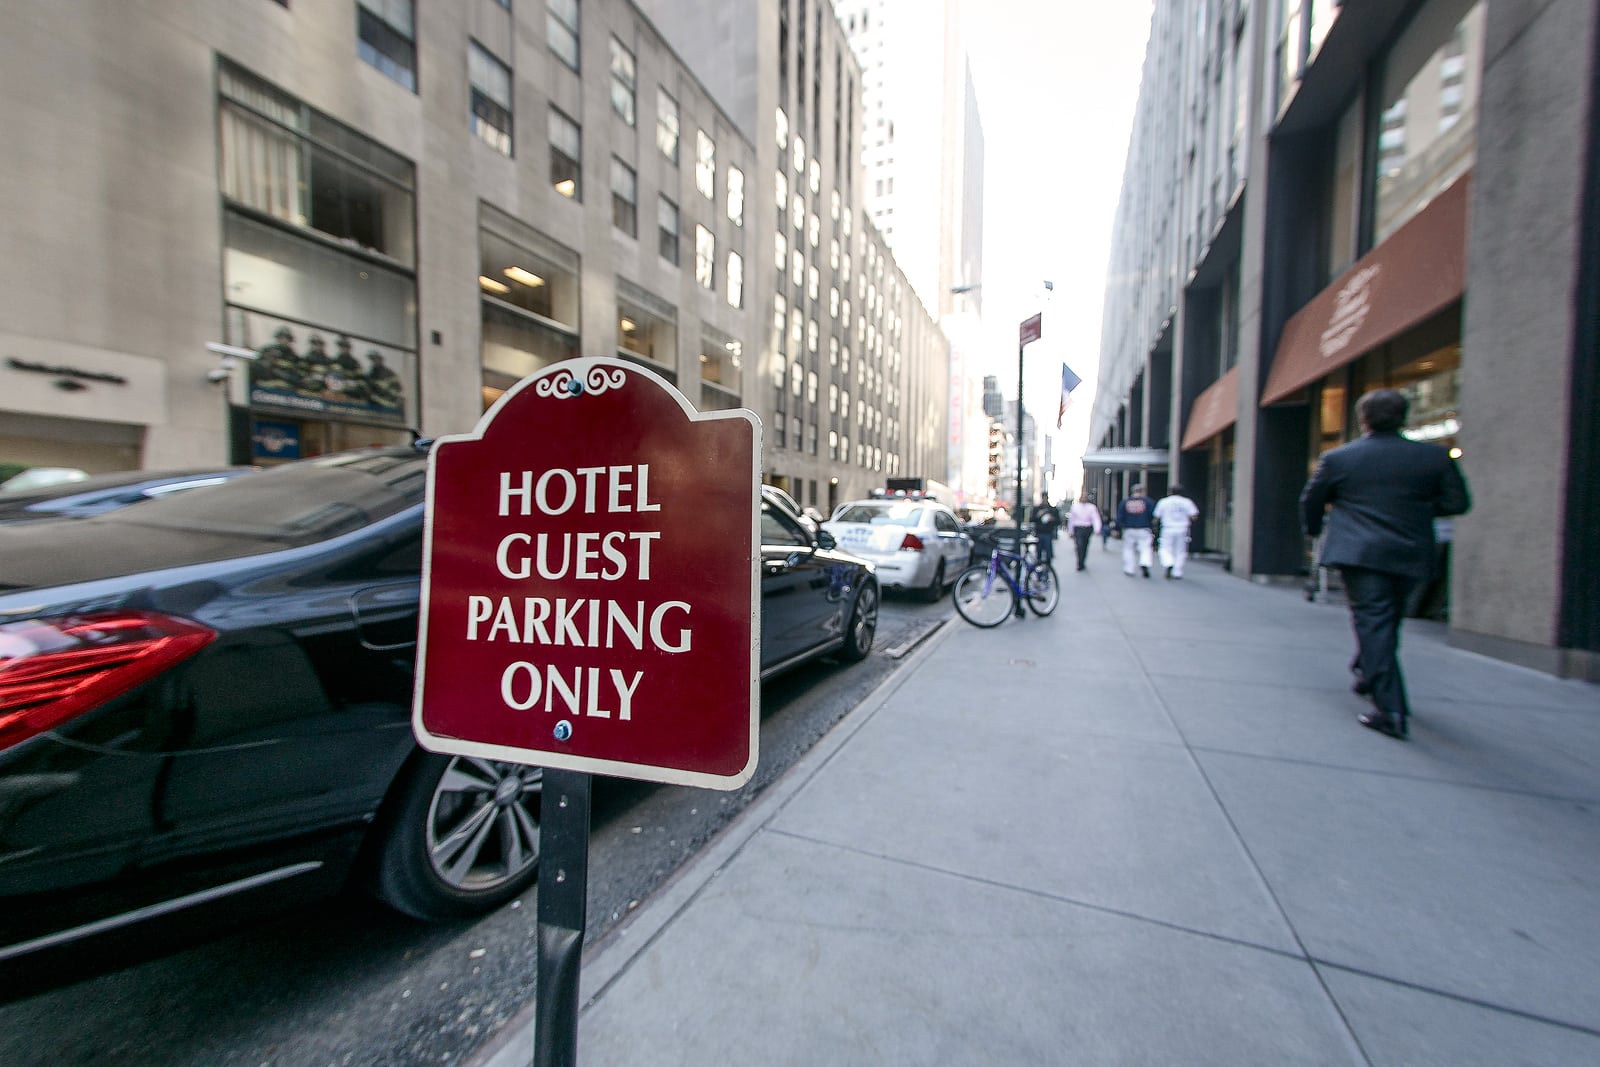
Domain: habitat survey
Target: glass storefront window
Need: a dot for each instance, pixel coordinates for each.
(529, 309)
(1428, 130)
(721, 361)
(268, 269)
(643, 333)
(285, 160)
(517, 345)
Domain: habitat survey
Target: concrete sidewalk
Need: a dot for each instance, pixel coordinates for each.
(1147, 829)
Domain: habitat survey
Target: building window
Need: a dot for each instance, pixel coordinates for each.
(285, 160)
(668, 225)
(705, 165)
(811, 446)
(782, 129)
(797, 214)
(720, 370)
(797, 263)
(561, 30)
(529, 308)
(736, 196)
(705, 258)
(1428, 133)
(735, 280)
(491, 98)
(798, 156)
(814, 176)
(781, 188)
(624, 198)
(813, 229)
(811, 387)
(387, 38)
(667, 125)
(780, 252)
(623, 81)
(566, 148)
(649, 335)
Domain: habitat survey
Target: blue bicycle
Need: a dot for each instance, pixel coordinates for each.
(985, 594)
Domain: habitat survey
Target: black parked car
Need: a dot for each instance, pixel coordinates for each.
(208, 697)
(100, 493)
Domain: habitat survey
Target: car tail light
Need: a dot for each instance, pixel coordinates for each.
(911, 543)
(53, 669)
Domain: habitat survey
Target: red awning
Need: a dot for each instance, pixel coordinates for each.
(1213, 411)
(1416, 273)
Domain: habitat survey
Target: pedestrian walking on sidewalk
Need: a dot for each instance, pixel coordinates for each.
(1175, 513)
(1384, 492)
(1046, 524)
(1134, 516)
(1083, 522)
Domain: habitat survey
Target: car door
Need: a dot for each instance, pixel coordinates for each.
(795, 607)
(954, 544)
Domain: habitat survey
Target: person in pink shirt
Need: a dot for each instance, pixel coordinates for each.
(1083, 522)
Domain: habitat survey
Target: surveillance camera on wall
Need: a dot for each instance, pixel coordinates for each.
(218, 375)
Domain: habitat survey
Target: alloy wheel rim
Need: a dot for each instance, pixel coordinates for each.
(483, 823)
(866, 620)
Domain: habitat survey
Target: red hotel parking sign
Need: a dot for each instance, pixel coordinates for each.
(589, 588)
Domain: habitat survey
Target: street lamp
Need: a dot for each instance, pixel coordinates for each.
(1023, 337)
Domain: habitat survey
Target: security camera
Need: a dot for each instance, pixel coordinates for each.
(218, 375)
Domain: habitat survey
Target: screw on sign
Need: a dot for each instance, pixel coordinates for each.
(589, 605)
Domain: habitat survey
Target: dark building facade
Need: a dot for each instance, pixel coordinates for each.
(1361, 195)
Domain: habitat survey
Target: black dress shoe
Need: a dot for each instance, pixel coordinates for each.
(1384, 724)
(1145, 569)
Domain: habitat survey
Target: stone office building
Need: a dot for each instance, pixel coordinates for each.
(398, 208)
(1326, 198)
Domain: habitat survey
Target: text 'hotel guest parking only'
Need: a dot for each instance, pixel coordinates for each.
(590, 584)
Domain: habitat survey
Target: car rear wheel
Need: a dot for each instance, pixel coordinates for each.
(462, 838)
(858, 636)
(935, 590)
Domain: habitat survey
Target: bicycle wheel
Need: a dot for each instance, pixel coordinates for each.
(981, 600)
(1042, 588)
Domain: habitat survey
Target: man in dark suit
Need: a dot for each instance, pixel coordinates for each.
(1385, 492)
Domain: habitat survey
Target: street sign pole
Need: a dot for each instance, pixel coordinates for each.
(563, 906)
(1030, 330)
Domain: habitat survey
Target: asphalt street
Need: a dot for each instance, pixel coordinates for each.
(345, 981)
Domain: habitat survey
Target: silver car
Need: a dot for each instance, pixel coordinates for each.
(916, 544)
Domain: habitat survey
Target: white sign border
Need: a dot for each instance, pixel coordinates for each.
(579, 369)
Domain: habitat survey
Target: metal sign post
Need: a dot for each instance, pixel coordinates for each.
(563, 907)
(577, 617)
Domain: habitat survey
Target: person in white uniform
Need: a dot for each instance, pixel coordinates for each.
(1175, 513)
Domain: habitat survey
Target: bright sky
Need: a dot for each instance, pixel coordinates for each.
(1057, 81)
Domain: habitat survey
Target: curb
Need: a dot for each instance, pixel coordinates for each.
(608, 958)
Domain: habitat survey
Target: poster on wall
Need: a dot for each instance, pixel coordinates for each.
(315, 371)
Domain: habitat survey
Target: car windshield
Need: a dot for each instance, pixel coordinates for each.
(298, 503)
(897, 513)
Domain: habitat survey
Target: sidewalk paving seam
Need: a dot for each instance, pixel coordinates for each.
(1249, 855)
(1040, 894)
(597, 971)
(1399, 775)
(731, 841)
(1460, 998)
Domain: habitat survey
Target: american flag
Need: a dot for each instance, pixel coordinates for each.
(1069, 382)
